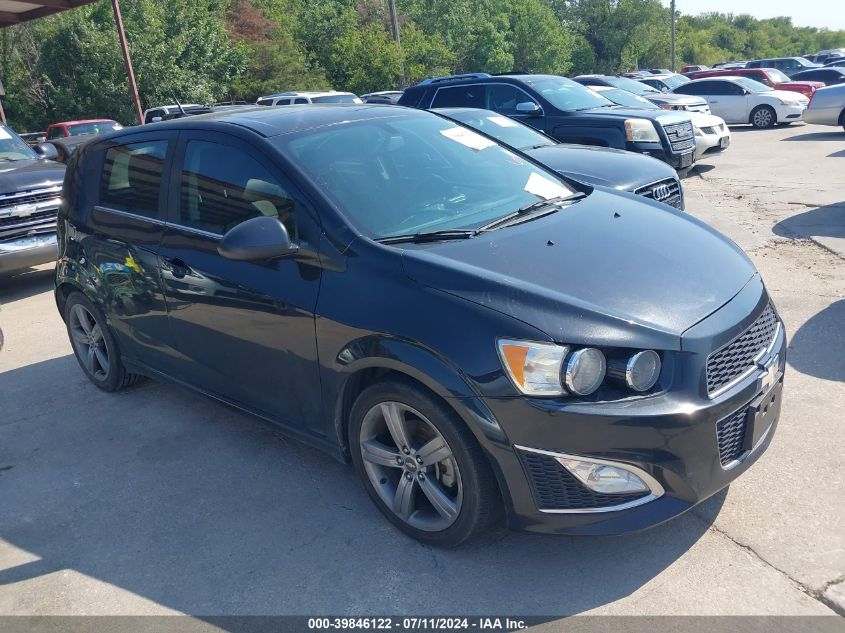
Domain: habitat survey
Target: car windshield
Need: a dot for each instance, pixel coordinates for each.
(406, 174)
(98, 127)
(752, 86)
(776, 75)
(675, 80)
(625, 98)
(501, 128)
(631, 86)
(12, 147)
(336, 99)
(566, 94)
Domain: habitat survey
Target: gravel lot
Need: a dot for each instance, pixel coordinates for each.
(157, 500)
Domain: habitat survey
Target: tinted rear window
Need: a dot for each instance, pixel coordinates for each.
(131, 179)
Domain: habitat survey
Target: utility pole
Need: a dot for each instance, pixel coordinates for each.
(672, 31)
(394, 31)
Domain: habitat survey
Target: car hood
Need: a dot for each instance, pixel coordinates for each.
(785, 94)
(666, 117)
(613, 268)
(613, 168)
(22, 175)
(786, 85)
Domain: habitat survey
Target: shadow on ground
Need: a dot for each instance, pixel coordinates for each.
(817, 348)
(839, 154)
(26, 284)
(816, 136)
(826, 221)
(203, 509)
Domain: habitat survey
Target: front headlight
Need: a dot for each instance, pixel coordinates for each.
(641, 130)
(789, 102)
(534, 368)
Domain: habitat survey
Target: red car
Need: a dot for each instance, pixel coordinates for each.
(686, 70)
(78, 128)
(772, 77)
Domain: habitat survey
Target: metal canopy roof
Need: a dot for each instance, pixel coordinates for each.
(16, 11)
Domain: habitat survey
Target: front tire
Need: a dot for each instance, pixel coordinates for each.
(421, 465)
(763, 117)
(94, 345)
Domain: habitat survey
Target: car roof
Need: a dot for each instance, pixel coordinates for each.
(270, 122)
(306, 93)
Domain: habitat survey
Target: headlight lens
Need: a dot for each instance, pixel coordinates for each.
(534, 368)
(641, 130)
(789, 102)
(642, 370)
(585, 371)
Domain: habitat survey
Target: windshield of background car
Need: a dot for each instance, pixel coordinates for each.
(675, 80)
(565, 94)
(336, 99)
(631, 86)
(404, 174)
(12, 147)
(502, 128)
(777, 75)
(752, 86)
(93, 128)
(625, 98)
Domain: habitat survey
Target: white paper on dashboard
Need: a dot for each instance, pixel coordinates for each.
(468, 138)
(502, 121)
(544, 187)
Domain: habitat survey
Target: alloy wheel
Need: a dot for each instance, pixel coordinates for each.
(763, 117)
(411, 466)
(89, 342)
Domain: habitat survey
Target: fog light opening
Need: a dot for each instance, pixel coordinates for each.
(604, 478)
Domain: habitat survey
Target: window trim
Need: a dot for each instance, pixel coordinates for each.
(484, 84)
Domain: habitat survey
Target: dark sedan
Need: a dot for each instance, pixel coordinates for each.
(478, 337)
(602, 166)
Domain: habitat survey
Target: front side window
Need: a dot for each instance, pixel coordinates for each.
(300, 100)
(55, 132)
(775, 75)
(411, 173)
(222, 186)
(754, 87)
(99, 127)
(460, 97)
(504, 98)
(131, 177)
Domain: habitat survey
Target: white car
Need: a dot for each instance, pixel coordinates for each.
(827, 107)
(743, 100)
(711, 133)
(296, 98)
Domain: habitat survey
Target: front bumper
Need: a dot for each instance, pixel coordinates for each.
(656, 150)
(672, 437)
(787, 113)
(24, 252)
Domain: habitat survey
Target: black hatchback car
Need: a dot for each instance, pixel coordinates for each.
(474, 335)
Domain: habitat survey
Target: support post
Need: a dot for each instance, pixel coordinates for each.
(394, 29)
(133, 86)
(672, 31)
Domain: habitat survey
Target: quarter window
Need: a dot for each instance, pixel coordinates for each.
(460, 96)
(504, 98)
(223, 186)
(131, 179)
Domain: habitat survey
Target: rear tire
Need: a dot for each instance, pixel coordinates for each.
(421, 465)
(763, 117)
(94, 345)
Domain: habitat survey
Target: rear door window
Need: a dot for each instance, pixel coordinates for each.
(460, 97)
(131, 177)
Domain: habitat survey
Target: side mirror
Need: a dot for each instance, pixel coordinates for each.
(257, 239)
(529, 107)
(664, 89)
(156, 119)
(47, 151)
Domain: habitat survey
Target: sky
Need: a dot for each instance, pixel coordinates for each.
(818, 13)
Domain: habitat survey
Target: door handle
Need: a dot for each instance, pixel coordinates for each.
(176, 266)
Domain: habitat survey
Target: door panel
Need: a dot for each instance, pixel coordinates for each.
(121, 241)
(245, 330)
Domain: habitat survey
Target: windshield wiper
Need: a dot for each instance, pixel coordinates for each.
(532, 210)
(429, 236)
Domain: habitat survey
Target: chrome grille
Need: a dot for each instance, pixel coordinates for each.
(730, 433)
(680, 135)
(29, 213)
(731, 361)
(667, 191)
